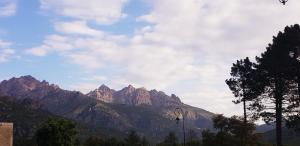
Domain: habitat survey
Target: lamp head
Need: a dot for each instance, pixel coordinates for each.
(283, 1)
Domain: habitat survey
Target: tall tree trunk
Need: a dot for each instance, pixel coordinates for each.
(279, 123)
(278, 94)
(298, 82)
(244, 139)
(245, 112)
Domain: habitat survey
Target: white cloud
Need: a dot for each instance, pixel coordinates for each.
(188, 48)
(218, 32)
(52, 43)
(95, 78)
(101, 11)
(5, 51)
(76, 27)
(8, 8)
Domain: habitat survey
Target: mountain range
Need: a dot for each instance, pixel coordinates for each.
(150, 113)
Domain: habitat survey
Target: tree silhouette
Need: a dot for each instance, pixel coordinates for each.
(241, 83)
(229, 132)
(280, 96)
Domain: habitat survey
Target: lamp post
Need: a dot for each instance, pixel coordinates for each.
(283, 1)
(179, 113)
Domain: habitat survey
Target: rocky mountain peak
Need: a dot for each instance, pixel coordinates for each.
(27, 77)
(176, 98)
(104, 88)
(129, 88)
(29, 87)
(134, 96)
(24, 83)
(26, 86)
(103, 93)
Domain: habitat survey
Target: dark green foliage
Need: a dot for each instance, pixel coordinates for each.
(170, 140)
(294, 122)
(208, 138)
(145, 142)
(133, 139)
(56, 132)
(94, 141)
(230, 132)
(192, 138)
(194, 143)
(113, 142)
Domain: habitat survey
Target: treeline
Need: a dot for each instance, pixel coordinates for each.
(228, 132)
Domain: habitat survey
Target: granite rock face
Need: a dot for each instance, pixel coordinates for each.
(134, 96)
(29, 87)
(46, 96)
(103, 93)
(26, 86)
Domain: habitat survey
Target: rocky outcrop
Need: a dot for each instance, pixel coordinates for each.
(103, 93)
(26, 87)
(134, 96)
(53, 99)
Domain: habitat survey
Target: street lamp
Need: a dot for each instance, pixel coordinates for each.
(180, 114)
(283, 1)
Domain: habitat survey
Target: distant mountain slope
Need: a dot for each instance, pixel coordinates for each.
(150, 113)
(265, 127)
(27, 115)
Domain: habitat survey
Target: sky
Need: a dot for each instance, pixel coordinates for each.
(185, 47)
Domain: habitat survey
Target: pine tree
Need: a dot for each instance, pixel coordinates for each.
(276, 73)
(241, 83)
